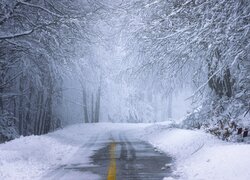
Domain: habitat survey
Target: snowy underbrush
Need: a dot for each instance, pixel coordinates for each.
(7, 128)
(228, 119)
(200, 155)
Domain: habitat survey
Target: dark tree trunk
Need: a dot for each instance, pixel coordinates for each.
(39, 113)
(15, 109)
(42, 122)
(48, 119)
(48, 116)
(21, 105)
(221, 85)
(228, 83)
(28, 114)
(1, 100)
(1, 89)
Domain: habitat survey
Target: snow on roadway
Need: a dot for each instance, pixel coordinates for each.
(198, 155)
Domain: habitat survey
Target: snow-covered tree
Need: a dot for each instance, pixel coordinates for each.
(38, 39)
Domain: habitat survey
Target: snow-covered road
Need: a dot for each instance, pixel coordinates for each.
(83, 151)
(132, 159)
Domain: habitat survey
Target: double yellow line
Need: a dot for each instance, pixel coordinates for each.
(112, 165)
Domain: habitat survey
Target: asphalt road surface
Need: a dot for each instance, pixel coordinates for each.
(119, 157)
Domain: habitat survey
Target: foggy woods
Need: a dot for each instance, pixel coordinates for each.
(39, 41)
(63, 62)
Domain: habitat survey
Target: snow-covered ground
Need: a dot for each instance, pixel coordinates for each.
(201, 156)
(33, 157)
(198, 155)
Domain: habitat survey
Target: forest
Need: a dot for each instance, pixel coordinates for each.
(137, 61)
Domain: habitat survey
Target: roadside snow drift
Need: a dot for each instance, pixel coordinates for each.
(28, 157)
(201, 156)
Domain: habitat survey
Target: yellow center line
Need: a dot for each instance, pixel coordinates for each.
(112, 165)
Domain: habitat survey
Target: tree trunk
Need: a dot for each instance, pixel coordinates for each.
(39, 114)
(85, 108)
(1, 100)
(28, 114)
(48, 119)
(170, 104)
(227, 83)
(21, 109)
(1, 89)
(98, 101)
(92, 109)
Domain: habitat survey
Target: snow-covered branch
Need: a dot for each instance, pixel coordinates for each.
(40, 7)
(17, 35)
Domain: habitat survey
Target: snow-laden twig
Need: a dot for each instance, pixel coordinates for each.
(10, 80)
(28, 32)
(73, 102)
(176, 33)
(16, 35)
(40, 7)
(203, 85)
